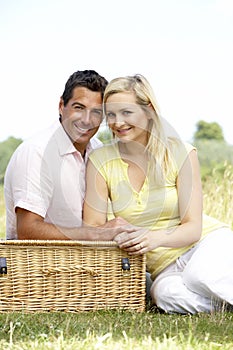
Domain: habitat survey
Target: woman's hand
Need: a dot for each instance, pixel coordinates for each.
(138, 242)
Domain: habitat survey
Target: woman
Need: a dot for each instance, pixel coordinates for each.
(153, 183)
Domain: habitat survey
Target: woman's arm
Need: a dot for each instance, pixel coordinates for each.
(96, 199)
(95, 207)
(190, 207)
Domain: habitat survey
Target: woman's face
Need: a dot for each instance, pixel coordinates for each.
(127, 120)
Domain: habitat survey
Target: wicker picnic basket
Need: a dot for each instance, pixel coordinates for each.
(69, 276)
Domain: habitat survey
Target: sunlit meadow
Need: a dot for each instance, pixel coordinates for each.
(115, 329)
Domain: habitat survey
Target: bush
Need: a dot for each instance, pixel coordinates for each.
(6, 149)
(213, 154)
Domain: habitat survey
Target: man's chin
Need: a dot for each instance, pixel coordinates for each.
(84, 137)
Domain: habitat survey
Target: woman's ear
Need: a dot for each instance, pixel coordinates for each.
(150, 106)
(150, 110)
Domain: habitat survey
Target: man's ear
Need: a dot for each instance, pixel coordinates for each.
(61, 106)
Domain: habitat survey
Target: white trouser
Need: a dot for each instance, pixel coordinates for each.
(201, 280)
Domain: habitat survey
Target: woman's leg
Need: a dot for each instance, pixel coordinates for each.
(209, 271)
(200, 279)
(170, 294)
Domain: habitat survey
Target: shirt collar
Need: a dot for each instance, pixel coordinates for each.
(66, 146)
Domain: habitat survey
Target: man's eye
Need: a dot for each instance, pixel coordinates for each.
(79, 108)
(97, 113)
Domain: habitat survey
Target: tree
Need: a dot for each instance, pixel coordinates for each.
(208, 131)
(7, 147)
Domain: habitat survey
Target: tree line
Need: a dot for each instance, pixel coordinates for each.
(7, 147)
(213, 151)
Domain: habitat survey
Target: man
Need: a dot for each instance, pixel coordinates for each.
(45, 178)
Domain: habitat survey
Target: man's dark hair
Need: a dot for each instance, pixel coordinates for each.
(89, 79)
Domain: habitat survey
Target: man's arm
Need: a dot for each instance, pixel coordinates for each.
(33, 226)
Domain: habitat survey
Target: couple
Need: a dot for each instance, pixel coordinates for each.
(152, 181)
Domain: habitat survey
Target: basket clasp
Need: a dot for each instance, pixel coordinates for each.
(3, 266)
(125, 266)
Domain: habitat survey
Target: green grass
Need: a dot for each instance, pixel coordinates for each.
(123, 329)
(2, 214)
(115, 330)
(218, 195)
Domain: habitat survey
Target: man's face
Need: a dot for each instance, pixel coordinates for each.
(82, 115)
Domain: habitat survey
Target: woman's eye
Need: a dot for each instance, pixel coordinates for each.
(110, 115)
(127, 113)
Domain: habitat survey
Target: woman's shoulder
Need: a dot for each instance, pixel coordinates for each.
(105, 158)
(108, 151)
(180, 150)
(179, 146)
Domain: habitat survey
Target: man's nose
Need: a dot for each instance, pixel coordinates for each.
(86, 117)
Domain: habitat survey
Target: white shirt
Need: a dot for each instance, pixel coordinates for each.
(46, 175)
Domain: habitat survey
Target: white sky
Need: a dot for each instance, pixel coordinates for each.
(183, 47)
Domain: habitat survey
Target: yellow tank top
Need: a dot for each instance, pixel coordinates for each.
(154, 207)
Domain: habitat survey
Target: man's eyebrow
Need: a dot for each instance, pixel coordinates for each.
(99, 107)
(78, 103)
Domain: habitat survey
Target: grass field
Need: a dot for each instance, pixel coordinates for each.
(123, 329)
(2, 214)
(116, 330)
(218, 196)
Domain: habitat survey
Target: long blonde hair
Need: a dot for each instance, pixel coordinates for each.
(158, 146)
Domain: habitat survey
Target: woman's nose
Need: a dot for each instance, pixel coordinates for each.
(119, 119)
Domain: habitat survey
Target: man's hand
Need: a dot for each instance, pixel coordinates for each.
(112, 228)
(116, 222)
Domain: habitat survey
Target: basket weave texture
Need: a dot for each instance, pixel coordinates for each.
(70, 276)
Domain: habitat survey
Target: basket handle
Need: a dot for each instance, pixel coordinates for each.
(54, 243)
(61, 269)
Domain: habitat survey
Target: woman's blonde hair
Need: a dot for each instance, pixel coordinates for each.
(158, 146)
